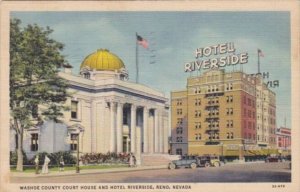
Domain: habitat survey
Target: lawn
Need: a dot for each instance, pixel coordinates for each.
(31, 169)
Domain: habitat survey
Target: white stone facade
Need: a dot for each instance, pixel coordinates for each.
(112, 115)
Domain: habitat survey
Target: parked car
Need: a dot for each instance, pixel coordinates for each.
(184, 161)
(196, 161)
(208, 161)
(272, 159)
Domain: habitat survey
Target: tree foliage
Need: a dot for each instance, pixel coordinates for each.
(37, 93)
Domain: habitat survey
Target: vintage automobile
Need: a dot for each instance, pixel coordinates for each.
(272, 159)
(195, 161)
(208, 161)
(184, 161)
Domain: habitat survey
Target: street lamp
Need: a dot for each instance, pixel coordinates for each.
(77, 164)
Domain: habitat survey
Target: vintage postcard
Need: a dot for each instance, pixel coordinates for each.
(150, 96)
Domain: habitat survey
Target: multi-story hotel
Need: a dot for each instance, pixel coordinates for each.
(108, 113)
(221, 113)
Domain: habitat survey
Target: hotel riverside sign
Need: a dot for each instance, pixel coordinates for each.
(226, 49)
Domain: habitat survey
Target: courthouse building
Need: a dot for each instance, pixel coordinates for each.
(223, 113)
(108, 112)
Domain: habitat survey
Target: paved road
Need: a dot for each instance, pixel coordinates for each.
(248, 172)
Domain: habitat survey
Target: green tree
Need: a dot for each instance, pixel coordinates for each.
(37, 93)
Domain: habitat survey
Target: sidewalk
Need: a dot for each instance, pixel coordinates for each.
(87, 171)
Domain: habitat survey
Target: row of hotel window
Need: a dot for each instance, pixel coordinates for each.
(35, 140)
(215, 124)
(229, 99)
(229, 135)
(229, 124)
(213, 88)
(229, 111)
(198, 124)
(198, 136)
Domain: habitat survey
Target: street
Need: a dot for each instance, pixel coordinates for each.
(246, 172)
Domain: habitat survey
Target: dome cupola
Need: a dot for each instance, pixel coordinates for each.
(102, 60)
(103, 64)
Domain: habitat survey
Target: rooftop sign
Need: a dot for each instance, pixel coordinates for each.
(226, 49)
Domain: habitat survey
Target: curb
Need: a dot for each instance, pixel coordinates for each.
(83, 172)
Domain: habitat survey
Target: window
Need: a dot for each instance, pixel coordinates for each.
(230, 135)
(249, 102)
(178, 139)
(179, 130)
(179, 121)
(229, 123)
(34, 111)
(197, 125)
(73, 144)
(229, 99)
(249, 113)
(34, 142)
(198, 136)
(179, 151)
(179, 111)
(74, 109)
(229, 111)
(197, 113)
(87, 75)
(179, 102)
(229, 86)
(197, 102)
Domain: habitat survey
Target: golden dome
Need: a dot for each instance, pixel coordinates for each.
(102, 60)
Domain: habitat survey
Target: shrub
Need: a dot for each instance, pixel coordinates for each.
(14, 158)
(55, 158)
(97, 158)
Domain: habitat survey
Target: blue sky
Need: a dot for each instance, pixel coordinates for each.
(173, 38)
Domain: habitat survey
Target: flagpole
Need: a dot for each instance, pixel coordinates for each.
(136, 60)
(258, 63)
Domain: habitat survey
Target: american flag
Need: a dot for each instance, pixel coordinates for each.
(260, 53)
(141, 41)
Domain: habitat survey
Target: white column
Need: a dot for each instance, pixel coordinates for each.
(151, 133)
(127, 144)
(119, 127)
(145, 127)
(94, 126)
(112, 127)
(156, 131)
(161, 133)
(133, 128)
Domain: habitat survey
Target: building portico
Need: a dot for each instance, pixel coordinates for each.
(130, 121)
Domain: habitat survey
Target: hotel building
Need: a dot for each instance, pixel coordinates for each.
(220, 113)
(283, 138)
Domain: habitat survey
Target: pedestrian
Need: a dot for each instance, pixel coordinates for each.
(61, 164)
(130, 160)
(134, 160)
(45, 169)
(36, 161)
